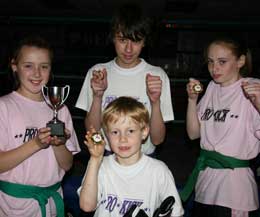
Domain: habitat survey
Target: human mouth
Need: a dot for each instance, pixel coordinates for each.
(216, 76)
(124, 148)
(128, 57)
(35, 82)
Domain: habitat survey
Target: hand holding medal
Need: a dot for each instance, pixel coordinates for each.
(95, 142)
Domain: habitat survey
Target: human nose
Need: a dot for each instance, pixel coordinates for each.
(213, 67)
(129, 46)
(37, 71)
(123, 138)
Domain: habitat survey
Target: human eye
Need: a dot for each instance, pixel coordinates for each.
(45, 66)
(28, 66)
(114, 132)
(210, 62)
(131, 131)
(222, 62)
(121, 39)
(138, 42)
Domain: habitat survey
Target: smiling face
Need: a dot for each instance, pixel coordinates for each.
(223, 65)
(125, 136)
(128, 51)
(32, 67)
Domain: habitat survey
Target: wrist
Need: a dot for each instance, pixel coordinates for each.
(96, 160)
(156, 103)
(97, 97)
(35, 145)
(192, 101)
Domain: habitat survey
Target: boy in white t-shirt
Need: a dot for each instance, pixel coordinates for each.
(129, 75)
(112, 184)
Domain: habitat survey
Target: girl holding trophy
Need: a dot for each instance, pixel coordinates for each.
(32, 162)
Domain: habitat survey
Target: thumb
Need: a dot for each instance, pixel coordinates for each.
(148, 75)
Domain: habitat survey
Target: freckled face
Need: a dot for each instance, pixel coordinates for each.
(125, 137)
(33, 68)
(127, 51)
(223, 65)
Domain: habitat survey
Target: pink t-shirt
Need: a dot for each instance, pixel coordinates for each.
(20, 120)
(229, 125)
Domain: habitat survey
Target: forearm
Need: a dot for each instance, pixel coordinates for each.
(89, 188)
(157, 125)
(63, 156)
(14, 157)
(192, 121)
(93, 117)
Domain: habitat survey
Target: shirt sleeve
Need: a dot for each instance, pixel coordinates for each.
(85, 96)
(168, 188)
(256, 123)
(166, 99)
(3, 126)
(72, 143)
(256, 117)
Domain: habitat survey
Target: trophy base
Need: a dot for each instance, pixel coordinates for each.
(57, 129)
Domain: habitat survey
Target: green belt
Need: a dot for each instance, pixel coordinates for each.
(210, 159)
(41, 194)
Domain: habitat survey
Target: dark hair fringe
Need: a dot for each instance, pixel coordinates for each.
(132, 22)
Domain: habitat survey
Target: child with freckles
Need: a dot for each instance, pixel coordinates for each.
(113, 183)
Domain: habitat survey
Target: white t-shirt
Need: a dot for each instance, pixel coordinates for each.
(20, 119)
(129, 82)
(146, 184)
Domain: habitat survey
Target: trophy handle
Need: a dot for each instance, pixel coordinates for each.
(46, 98)
(67, 93)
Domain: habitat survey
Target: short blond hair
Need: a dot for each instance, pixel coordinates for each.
(125, 106)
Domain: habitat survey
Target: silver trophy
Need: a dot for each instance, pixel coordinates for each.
(55, 97)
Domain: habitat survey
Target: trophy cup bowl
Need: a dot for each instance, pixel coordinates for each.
(55, 97)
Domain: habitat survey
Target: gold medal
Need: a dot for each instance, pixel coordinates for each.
(197, 88)
(97, 138)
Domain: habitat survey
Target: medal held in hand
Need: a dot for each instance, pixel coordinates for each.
(55, 97)
(97, 138)
(197, 88)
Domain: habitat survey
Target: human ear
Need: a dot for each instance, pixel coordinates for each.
(241, 61)
(145, 132)
(13, 65)
(144, 43)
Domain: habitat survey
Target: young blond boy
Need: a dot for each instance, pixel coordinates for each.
(112, 184)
